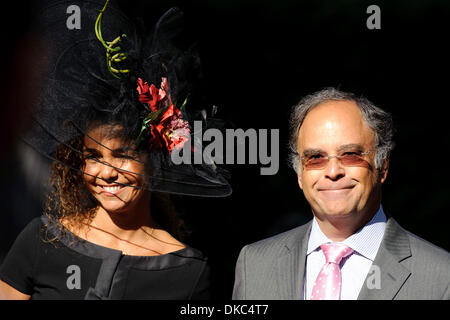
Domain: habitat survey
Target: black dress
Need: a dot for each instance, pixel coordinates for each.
(71, 269)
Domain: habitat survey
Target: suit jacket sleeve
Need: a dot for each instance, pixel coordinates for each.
(239, 281)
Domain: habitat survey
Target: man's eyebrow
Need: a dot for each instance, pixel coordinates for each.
(345, 147)
(350, 146)
(312, 151)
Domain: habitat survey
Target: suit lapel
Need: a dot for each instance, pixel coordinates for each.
(290, 267)
(392, 274)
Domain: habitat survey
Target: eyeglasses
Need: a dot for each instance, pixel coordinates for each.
(319, 161)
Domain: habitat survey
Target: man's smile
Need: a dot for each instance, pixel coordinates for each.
(335, 194)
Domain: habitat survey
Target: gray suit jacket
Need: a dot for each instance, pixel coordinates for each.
(409, 267)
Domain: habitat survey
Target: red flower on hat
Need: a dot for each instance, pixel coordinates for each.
(173, 129)
(170, 128)
(150, 94)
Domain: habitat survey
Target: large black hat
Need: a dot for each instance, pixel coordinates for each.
(105, 68)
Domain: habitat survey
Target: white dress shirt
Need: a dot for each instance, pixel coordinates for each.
(354, 268)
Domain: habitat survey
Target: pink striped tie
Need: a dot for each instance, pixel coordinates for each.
(328, 282)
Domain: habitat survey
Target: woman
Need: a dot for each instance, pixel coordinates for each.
(109, 231)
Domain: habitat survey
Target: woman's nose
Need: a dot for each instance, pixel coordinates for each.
(108, 172)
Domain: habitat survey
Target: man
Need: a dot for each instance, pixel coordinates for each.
(351, 249)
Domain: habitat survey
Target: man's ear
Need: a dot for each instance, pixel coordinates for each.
(384, 170)
(299, 179)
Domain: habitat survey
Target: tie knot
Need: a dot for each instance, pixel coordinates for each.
(334, 252)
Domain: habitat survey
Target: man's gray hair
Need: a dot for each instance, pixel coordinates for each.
(378, 120)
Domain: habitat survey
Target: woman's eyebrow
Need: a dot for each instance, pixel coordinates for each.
(118, 150)
(90, 150)
(123, 150)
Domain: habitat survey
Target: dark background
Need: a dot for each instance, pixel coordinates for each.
(259, 58)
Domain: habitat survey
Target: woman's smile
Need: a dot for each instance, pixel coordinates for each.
(111, 190)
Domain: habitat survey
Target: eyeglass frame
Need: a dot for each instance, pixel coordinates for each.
(337, 157)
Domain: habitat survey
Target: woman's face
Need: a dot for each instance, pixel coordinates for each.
(120, 165)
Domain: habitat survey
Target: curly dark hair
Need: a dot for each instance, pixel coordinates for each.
(70, 201)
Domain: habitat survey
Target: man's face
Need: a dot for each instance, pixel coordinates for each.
(338, 191)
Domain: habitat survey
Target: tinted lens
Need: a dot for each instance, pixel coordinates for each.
(316, 163)
(352, 160)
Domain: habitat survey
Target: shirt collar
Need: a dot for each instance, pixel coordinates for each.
(365, 241)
